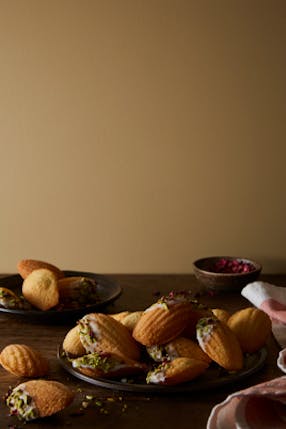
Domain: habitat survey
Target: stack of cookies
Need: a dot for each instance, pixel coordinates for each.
(46, 287)
(173, 341)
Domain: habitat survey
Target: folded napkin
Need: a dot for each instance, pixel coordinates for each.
(272, 300)
(259, 407)
(262, 406)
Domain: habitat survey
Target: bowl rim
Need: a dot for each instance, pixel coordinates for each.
(257, 265)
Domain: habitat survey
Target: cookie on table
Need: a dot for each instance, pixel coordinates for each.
(23, 361)
(40, 288)
(38, 398)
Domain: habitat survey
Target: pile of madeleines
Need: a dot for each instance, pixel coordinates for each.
(179, 336)
(46, 287)
(173, 341)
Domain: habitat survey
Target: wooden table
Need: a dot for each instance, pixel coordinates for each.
(119, 409)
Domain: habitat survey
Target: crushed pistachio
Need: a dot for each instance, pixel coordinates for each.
(157, 375)
(175, 297)
(156, 352)
(205, 326)
(22, 405)
(94, 360)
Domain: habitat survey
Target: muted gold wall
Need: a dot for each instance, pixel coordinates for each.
(137, 136)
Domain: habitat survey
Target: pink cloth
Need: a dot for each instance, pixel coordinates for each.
(272, 300)
(262, 406)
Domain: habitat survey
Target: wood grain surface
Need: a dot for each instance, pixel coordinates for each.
(109, 408)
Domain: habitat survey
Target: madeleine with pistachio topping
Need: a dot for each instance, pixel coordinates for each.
(164, 320)
(38, 398)
(219, 342)
(185, 347)
(99, 333)
(83, 290)
(106, 365)
(179, 370)
(8, 299)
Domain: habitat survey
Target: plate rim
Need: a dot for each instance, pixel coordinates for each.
(114, 294)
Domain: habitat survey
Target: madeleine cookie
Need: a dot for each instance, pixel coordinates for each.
(128, 318)
(131, 319)
(164, 320)
(185, 347)
(221, 314)
(220, 343)
(83, 290)
(8, 299)
(38, 398)
(179, 370)
(252, 328)
(72, 344)
(107, 366)
(23, 361)
(40, 288)
(103, 334)
(26, 266)
(120, 316)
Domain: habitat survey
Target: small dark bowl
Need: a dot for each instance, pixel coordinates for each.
(205, 270)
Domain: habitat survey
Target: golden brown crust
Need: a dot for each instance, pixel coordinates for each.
(23, 361)
(252, 328)
(179, 370)
(220, 343)
(107, 335)
(185, 347)
(40, 289)
(160, 324)
(26, 266)
(49, 396)
(72, 343)
(119, 316)
(221, 314)
(131, 320)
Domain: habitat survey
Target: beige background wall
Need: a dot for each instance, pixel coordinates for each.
(137, 136)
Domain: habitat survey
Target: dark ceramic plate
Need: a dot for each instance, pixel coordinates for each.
(107, 291)
(214, 377)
